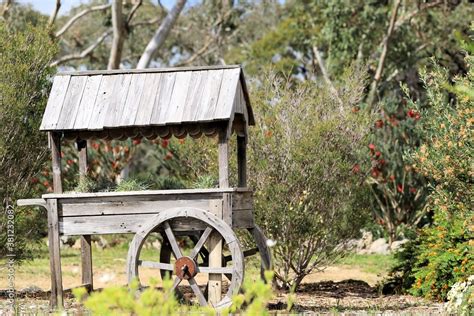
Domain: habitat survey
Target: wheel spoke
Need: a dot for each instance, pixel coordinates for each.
(172, 240)
(176, 282)
(216, 270)
(156, 265)
(198, 292)
(201, 242)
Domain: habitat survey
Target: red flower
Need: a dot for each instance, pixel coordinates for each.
(70, 162)
(164, 143)
(378, 124)
(392, 178)
(45, 183)
(34, 180)
(95, 145)
(381, 162)
(268, 134)
(412, 190)
(375, 172)
(371, 147)
(356, 168)
(411, 113)
(137, 141)
(169, 155)
(400, 188)
(417, 116)
(377, 154)
(355, 109)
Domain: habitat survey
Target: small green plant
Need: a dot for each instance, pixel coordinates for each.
(131, 185)
(153, 301)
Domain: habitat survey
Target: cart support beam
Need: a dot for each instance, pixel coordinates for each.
(86, 246)
(56, 299)
(242, 161)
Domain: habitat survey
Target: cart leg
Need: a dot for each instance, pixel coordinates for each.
(56, 300)
(86, 262)
(215, 260)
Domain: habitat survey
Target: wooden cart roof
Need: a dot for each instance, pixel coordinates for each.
(101, 100)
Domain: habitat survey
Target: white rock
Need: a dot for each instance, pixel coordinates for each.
(379, 246)
(396, 245)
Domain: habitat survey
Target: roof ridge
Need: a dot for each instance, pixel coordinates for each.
(146, 70)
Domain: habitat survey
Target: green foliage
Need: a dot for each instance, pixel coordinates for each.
(131, 184)
(154, 301)
(461, 298)
(398, 189)
(445, 254)
(24, 84)
(301, 158)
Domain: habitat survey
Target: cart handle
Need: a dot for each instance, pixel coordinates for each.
(31, 202)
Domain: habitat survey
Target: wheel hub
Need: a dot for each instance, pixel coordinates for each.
(185, 268)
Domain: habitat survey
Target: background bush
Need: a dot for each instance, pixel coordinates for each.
(25, 54)
(303, 153)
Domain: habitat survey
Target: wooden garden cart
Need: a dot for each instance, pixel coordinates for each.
(152, 103)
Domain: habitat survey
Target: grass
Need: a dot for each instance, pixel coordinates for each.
(370, 263)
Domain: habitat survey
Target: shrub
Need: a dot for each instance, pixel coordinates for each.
(303, 165)
(445, 252)
(25, 54)
(153, 301)
(461, 298)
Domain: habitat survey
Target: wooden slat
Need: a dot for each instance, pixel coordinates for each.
(102, 103)
(55, 102)
(71, 103)
(147, 70)
(178, 98)
(147, 101)
(135, 92)
(162, 102)
(180, 194)
(117, 106)
(210, 96)
(56, 300)
(227, 94)
(243, 219)
(89, 96)
(128, 207)
(194, 97)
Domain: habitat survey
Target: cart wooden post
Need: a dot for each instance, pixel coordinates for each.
(156, 103)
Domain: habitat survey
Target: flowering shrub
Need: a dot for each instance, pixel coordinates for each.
(445, 252)
(399, 190)
(461, 298)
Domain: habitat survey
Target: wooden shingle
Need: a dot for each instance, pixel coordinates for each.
(102, 100)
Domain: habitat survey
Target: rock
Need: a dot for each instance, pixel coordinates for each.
(106, 277)
(379, 246)
(396, 245)
(366, 240)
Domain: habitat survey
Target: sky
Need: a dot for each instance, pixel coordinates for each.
(47, 6)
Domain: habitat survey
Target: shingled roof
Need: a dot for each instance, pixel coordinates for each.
(101, 100)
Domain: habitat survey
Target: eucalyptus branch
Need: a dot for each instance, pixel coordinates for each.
(75, 18)
(84, 53)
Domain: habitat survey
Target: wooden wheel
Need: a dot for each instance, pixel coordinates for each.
(186, 267)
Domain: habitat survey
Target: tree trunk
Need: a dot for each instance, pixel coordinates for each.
(119, 33)
(161, 34)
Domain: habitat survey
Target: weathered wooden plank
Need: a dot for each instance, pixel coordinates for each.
(210, 96)
(181, 193)
(55, 141)
(55, 102)
(56, 300)
(128, 207)
(147, 101)
(118, 224)
(227, 94)
(86, 262)
(135, 92)
(102, 103)
(71, 103)
(162, 102)
(117, 104)
(178, 98)
(243, 219)
(89, 96)
(147, 70)
(193, 99)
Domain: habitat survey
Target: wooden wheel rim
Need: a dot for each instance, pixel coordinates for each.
(212, 221)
